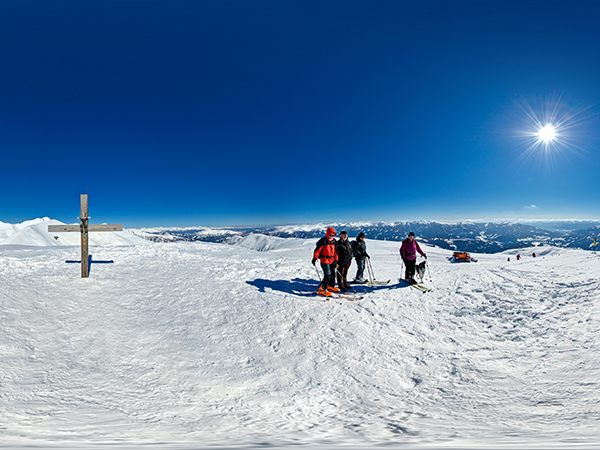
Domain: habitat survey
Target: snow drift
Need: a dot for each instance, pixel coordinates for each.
(262, 243)
(35, 233)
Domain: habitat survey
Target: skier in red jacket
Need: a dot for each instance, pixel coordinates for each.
(328, 257)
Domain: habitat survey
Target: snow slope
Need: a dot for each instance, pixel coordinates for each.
(262, 243)
(195, 345)
(35, 233)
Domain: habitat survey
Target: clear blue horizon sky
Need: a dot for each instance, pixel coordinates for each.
(255, 112)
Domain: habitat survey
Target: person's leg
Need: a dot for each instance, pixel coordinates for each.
(340, 280)
(332, 277)
(342, 277)
(361, 268)
(410, 268)
(406, 268)
(345, 276)
(326, 275)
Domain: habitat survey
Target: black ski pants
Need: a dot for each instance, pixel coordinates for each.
(342, 276)
(410, 265)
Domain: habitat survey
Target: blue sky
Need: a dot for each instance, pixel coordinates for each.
(250, 112)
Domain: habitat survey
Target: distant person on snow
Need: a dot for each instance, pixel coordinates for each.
(359, 250)
(518, 256)
(327, 255)
(344, 251)
(408, 253)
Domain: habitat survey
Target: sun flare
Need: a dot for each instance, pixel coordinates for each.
(547, 133)
(553, 129)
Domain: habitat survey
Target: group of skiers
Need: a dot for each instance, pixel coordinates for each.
(519, 256)
(336, 257)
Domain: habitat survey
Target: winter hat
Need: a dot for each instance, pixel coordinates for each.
(361, 235)
(411, 234)
(330, 232)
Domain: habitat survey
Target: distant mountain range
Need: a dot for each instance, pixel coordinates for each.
(478, 237)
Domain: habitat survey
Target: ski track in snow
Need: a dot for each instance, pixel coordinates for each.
(214, 345)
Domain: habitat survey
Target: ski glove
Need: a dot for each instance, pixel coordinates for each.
(314, 260)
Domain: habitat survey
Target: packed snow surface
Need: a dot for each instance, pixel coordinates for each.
(196, 345)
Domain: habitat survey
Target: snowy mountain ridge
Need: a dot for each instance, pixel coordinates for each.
(486, 237)
(483, 237)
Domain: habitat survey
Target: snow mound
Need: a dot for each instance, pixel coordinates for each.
(7, 230)
(35, 233)
(263, 243)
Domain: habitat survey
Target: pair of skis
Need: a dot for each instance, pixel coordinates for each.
(372, 283)
(342, 295)
(418, 286)
(357, 296)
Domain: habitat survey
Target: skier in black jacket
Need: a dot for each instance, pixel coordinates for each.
(359, 248)
(344, 251)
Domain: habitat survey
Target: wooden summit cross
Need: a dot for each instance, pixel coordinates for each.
(84, 228)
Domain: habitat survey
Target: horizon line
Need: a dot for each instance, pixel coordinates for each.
(362, 222)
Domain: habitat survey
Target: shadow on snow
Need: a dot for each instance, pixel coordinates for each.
(90, 261)
(297, 286)
(308, 287)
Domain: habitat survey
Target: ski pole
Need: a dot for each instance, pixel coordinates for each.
(341, 277)
(371, 269)
(318, 275)
(429, 270)
(401, 267)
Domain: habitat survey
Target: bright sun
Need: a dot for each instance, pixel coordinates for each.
(553, 128)
(547, 133)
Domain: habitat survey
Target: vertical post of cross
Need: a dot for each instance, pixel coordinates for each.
(84, 228)
(85, 265)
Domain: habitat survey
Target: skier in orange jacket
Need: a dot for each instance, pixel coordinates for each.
(328, 257)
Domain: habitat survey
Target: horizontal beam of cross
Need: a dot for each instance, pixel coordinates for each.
(77, 228)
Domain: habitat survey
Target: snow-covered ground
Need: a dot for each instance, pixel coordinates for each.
(195, 345)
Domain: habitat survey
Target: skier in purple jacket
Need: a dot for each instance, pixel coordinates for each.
(408, 252)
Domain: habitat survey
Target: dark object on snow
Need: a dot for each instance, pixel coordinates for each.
(462, 257)
(420, 270)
